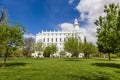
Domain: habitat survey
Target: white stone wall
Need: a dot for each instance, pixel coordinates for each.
(58, 37)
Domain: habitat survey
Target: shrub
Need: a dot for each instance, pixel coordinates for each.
(118, 54)
(113, 55)
(46, 52)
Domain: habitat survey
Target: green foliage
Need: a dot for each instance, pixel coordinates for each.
(89, 48)
(10, 37)
(2, 50)
(72, 45)
(24, 52)
(118, 54)
(28, 46)
(47, 52)
(62, 53)
(60, 69)
(15, 52)
(109, 30)
(53, 48)
(113, 56)
(50, 49)
(39, 46)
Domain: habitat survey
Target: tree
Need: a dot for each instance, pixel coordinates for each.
(50, 49)
(14, 51)
(53, 48)
(39, 46)
(3, 16)
(89, 48)
(10, 36)
(72, 45)
(108, 31)
(47, 52)
(28, 46)
(2, 50)
(62, 53)
(3, 19)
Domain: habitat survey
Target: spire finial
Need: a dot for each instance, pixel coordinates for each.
(76, 24)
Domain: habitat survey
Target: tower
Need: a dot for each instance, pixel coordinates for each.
(76, 29)
(76, 25)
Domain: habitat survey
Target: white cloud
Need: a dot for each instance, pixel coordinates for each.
(29, 35)
(89, 11)
(66, 26)
(92, 9)
(71, 1)
(89, 32)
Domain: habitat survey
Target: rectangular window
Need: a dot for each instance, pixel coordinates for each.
(52, 40)
(56, 39)
(60, 39)
(43, 39)
(47, 39)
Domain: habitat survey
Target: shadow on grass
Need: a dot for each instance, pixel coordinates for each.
(90, 77)
(117, 71)
(106, 59)
(14, 64)
(73, 59)
(112, 65)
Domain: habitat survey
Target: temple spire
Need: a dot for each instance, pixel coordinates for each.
(76, 24)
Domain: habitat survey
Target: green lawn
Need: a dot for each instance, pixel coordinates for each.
(60, 69)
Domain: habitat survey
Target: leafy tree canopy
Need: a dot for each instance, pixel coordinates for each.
(50, 49)
(72, 45)
(109, 30)
(10, 36)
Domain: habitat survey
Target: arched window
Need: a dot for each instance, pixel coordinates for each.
(52, 40)
(63, 39)
(60, 40)
(47, 39)
(43, 39)
(56, 39)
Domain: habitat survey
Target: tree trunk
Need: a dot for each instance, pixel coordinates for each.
(88, 56)
(5, 57)
(109, 56)
(85, 55)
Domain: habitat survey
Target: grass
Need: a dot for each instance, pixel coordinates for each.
(60, 69)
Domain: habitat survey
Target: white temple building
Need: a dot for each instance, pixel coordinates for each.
(58, 37)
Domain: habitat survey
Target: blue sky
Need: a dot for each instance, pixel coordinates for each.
(37, 15)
